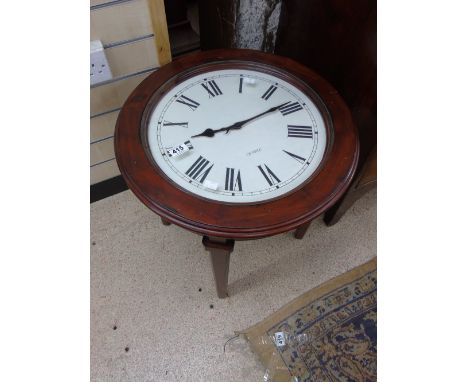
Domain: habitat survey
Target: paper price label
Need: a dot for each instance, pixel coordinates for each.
(279, 339)
(178, 150)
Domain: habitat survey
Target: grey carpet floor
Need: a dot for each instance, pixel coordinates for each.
(150, 322)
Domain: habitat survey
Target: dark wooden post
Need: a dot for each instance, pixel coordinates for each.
(301, 230)
(220, 251)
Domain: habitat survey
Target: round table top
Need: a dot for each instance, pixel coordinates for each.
(237, 221)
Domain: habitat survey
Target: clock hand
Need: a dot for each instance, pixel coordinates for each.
(241, 124)
(235, 126)
(207, 133)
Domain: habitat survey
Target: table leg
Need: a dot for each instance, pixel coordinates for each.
(165, 222)
(364, 180)
(220, 251)
(301, 230)
(336, 212)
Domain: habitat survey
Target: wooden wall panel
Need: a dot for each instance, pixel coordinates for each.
(121, 22)
(99, 2)
(103, 126)
(102, 151)
(132, 58)
(104, 171)
(112, 96)
(135, 38)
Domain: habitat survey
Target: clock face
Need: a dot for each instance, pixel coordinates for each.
(237, 136)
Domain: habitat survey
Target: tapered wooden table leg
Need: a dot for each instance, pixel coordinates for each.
(364, 181)
(220, 251)
(301, 230)
(336, 212)
(165, 222)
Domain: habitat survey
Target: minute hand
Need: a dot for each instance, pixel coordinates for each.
(238, 125)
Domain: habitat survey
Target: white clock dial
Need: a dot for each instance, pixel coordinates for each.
(254, 161)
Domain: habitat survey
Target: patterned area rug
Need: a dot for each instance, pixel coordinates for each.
(327, 334)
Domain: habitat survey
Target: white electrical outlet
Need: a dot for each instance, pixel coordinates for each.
(100, 70)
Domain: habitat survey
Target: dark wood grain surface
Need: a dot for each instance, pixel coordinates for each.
(236, 221)
(338, 39)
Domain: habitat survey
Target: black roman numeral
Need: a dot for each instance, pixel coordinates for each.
(212, 88)
(290, 108)
(199, 170)
(298, 131)
(269, 175)
(269, 92)
(232, 182)
(296, 157)
(189, 102)
(169, 123)
(241, 81)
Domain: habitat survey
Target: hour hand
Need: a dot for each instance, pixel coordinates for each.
(207, 133)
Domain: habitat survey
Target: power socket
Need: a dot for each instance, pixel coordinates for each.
(100, 70)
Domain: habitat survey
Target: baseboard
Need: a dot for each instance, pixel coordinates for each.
(107, 188)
